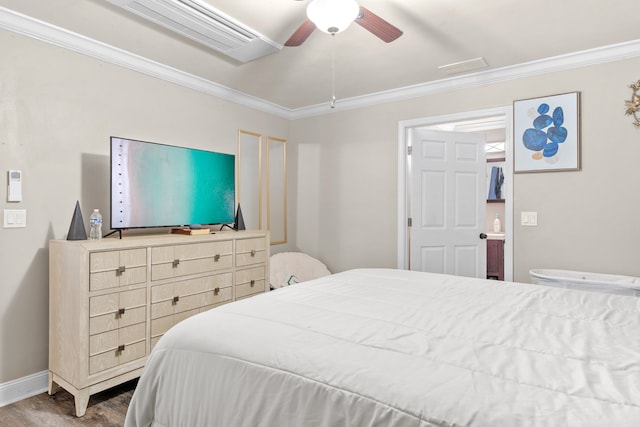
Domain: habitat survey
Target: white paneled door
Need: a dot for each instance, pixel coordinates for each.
(447, 207)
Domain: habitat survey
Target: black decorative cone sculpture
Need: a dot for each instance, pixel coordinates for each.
(76, 229)
(239, 221)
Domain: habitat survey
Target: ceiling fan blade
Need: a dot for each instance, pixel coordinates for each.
(301, 34)
(377, 26)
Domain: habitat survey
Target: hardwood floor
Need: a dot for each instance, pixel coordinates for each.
(106, 409)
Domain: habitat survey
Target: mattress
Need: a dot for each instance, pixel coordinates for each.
(393, 348)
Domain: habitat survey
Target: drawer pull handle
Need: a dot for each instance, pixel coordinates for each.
(252, 283)
(253, 252)
(120, 312)
(121, 348)
(175, 263)
(216, 257)
(216, 291)
(176, 299)
(121, 270)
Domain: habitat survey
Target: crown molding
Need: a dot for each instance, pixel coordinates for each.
(48, 33)
(554, 64)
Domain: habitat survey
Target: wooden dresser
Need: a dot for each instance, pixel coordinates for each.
(111, 300)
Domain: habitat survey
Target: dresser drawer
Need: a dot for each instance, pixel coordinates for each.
(204, 250)
(247, 245)
(190, 294)
(190, 287)
(249, 274)
(110, 340)
(117, 268)
(204, 284)
(169, 307)
(110, 260)
(250, 281)
(113, 358)
(112, 303)
(249, 289)
(182, 260)
(164, 254)
(115, 320)
(177, 305)
(250, 251)
(222, 296)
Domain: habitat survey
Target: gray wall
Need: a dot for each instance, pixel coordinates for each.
(57, 111)
(347, 202)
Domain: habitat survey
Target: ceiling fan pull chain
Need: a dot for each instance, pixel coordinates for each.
(333, 71)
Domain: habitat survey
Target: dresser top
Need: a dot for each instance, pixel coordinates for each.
(159, 239)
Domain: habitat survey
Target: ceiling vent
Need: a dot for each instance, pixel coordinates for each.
(464, 66)
(200, 22)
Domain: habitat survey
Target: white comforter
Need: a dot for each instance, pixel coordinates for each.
(397, 348)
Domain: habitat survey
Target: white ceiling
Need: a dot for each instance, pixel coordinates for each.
(436, 32)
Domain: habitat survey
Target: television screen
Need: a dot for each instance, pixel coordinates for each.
(156, 185)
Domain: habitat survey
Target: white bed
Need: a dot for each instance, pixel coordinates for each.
(389, 348)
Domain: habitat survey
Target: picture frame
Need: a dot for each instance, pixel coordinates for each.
(546, 133)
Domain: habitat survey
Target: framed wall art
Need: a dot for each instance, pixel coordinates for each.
(546, 133)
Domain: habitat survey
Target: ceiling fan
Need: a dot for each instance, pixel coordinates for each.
(334, 16)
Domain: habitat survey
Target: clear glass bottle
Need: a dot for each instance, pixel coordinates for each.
(95, 222)
(497, 225)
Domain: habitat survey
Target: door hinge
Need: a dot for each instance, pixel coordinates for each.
(409, 222)
(409, 150)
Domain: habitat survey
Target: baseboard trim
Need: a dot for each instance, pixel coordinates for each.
(22, 388)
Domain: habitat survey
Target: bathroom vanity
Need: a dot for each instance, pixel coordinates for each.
(495, 256)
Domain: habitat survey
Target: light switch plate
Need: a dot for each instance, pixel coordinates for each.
(529, 219)
(15, 218)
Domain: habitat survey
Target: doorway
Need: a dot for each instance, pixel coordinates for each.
(489, 122)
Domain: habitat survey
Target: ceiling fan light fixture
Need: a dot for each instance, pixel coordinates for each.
(332, 16)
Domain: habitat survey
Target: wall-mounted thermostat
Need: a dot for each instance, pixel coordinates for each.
(14, 191)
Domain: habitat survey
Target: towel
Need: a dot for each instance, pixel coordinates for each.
(495, 185)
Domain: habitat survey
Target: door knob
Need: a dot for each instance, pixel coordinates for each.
(483, 236)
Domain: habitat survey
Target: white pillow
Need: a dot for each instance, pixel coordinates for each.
(287, 268)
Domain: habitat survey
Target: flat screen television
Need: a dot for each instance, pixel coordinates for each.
(157, 185)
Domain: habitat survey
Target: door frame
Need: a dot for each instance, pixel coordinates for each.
(404, 209)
